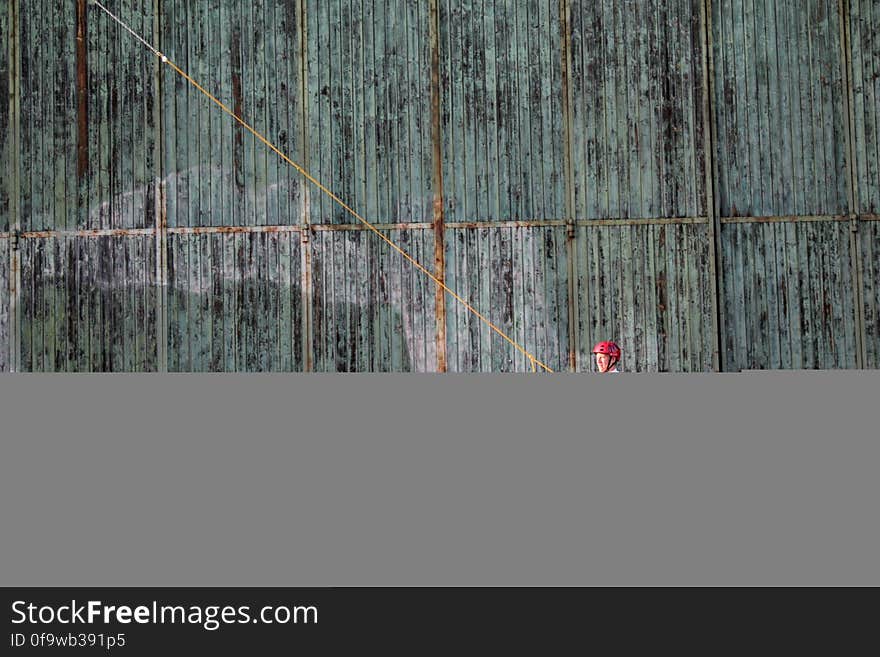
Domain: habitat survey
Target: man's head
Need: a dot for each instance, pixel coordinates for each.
(607, 356)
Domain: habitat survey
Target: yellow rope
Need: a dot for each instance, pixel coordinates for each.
(534, 361)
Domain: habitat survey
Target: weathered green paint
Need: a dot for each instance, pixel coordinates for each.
(789, 291)
(345, 87)
(247, 55)
(779, 108)
(234, 302)
(4, 305)
(501, 271)
(654, 306)
(499, 61)
(865, 44)
(369, 109)
(503, 161)
(88, 305)
(372, 312)
(864, 27)
(789, 298)
(870, 243)
(637, 117)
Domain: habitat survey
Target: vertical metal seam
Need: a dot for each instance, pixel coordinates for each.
(161, 219)
(14, 262)
(716, 271)
(439, 215)
(855, 239)
(307, 298)
(571, 233)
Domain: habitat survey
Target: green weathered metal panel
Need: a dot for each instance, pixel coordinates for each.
(345, 87)
(638, 150)
(502, 101)
(656, 306)
(793, 306)
(86, 163)
(86, 136)
(637, 119)
(870, 243)
(88, 304)
(864, 36)
(246, 55)
(369, 109)
(788, 292)
(370, 142)
(4, 305)
(503, 160)
(371, 310)
(865, 43)
(779, 108)
(234, 302)
(517, 277)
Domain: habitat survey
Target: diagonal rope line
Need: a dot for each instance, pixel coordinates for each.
(535, 363)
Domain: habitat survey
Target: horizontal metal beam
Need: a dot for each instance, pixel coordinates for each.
(785, 219)
(225, 230)
(460, 225)
(646, 221)
(106, 232)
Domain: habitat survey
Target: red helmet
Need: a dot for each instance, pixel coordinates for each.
(608, 347)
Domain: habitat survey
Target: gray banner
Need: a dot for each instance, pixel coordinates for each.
(330, 480)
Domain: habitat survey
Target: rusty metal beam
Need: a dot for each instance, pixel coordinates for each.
(784, 219)
(356, 227)
(221, 230)
(82, 90)
(437, 182)
(452, 225)
(90, 232)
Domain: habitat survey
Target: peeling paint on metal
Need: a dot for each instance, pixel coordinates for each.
(4, 306)
(130, 179)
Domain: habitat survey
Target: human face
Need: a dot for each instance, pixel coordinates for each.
(603, 361)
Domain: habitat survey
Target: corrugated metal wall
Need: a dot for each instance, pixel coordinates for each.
(637, 152)
(549, 155)
(779, 108)
(780, 98)
(368, 119)
(86, 198)
(865, 48)
(503, 161)
(234, 300)
(88, 304)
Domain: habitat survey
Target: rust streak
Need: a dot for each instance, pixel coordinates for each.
(82, 92)
(355, 227)
(537, 223)
(220, 230)
(95, 232)
(782, 219)
(439, 217)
